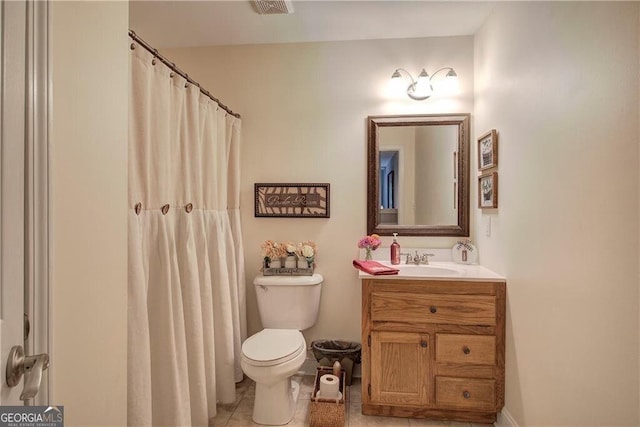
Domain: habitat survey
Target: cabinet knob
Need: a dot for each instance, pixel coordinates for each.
(466, 350)
(466, 394)
(433, 309)
(423, 344)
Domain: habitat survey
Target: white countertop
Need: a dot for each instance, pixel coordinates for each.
(438, 270)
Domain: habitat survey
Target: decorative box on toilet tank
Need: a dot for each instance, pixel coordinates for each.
(285, 271)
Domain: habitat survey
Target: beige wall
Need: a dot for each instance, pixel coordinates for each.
(559, 81)
(304, 110)
(89, 200)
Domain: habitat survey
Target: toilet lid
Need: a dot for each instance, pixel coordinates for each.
(273, 346)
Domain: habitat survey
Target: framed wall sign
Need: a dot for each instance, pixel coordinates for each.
(291, 200)
(488, 150)
(488, 190)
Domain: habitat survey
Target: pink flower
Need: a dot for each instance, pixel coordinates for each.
(370, 242)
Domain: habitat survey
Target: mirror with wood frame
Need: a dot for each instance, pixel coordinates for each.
(418, 175)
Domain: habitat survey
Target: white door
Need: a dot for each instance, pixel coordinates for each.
(12, 187)
(23, 228)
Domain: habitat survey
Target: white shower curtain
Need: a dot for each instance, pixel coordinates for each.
(186, 309)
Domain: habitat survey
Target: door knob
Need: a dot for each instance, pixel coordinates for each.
(30, 366)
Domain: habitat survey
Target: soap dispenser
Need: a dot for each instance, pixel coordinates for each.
(395, 250)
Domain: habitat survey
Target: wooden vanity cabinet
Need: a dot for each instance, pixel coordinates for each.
(433, 349)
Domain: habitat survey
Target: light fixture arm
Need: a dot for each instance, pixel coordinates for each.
(423, 79)
(408, 74)
(411, 89)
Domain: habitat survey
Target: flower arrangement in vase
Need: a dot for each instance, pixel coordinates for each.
(291, 261)
(306, 252)
(369, 244)
(272, 253)
(288, 254)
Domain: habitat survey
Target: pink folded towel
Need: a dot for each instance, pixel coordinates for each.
(374, 267)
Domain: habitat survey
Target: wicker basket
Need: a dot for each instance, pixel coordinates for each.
(327, 412)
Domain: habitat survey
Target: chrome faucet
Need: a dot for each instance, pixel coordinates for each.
(417, 259)
(425, 258)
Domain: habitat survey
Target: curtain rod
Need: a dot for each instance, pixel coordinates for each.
(175, 68)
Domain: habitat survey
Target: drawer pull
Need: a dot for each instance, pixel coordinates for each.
(466, 350)
(433, 309)
(466, 394)
(423, 344)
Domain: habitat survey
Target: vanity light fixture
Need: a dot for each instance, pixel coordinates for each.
(422, 87)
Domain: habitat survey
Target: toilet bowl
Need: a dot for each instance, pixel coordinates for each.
(287, 305)
(270, 358)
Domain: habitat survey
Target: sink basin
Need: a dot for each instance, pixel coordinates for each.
(425, 270)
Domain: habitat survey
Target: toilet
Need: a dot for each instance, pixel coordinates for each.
(287, 305)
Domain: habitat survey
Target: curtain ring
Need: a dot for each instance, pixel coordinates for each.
(189, 207)
(186, 85)
(165, 209)
(171, 74)
(133, 46)
(153, 62)
(138, 208)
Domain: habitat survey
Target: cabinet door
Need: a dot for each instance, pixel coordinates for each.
(400, 368)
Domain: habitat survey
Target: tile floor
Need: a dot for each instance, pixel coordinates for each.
(239, 413)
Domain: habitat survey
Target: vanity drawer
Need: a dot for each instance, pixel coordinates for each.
(473, 349)
(428, 308)
(465, 393)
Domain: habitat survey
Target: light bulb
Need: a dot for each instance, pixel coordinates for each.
(397, 85)
(422, 87)
(423, 76)
(449, 85)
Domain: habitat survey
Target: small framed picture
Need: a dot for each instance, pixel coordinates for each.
(488, 150)
(488, 191)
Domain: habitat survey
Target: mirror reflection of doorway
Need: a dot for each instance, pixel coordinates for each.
(389, 166)
(390, 188)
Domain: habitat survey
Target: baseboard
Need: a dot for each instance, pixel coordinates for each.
(505, 419)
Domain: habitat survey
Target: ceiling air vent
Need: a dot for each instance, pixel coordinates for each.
(273, 7)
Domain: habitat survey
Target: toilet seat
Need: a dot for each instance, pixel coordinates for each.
(271, 347)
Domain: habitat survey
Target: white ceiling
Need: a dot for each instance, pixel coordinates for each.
(178, 23)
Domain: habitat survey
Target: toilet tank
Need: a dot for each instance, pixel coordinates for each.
(288, 302)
